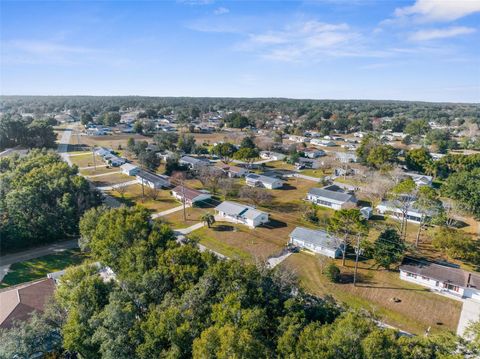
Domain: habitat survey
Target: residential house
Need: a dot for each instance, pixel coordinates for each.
(317, 241)
(366, 212)
(322, 142)
(152, 180)
(235, 171)
(19, 302)
(441, 278)
(241, 213)
(254, 180)
(193, 163)
(394, 209)
(295, 138)
(312, 152)
(420, 180)
(191, 195)
(269, 155)
(129, 169)
(332, 197)
(307, 163)
(346, 157)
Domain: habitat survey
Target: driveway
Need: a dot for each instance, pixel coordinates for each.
(470, 312)
(63, 144)
(37, 252)
(124, 184)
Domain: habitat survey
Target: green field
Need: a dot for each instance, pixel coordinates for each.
(39, 267)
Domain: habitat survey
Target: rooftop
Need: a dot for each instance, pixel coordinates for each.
(332, 192)
(318, 238)
(238, 209)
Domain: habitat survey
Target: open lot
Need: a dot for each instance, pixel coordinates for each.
(39, 267)
(86, 160)
(133, 196)
(99, 170)
(417, 310)
(110, 179)
(193, 214)
(114, 142)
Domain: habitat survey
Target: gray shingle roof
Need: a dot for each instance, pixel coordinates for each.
(151, 177)
(264, 179)
(237, 209)
(442, 273)
(318, 238)
(338, 196)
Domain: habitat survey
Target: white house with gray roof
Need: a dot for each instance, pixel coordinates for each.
(254, 180)
(152, 180)
(332, 197)
(241, 213)
(317, 241)
(193, 163)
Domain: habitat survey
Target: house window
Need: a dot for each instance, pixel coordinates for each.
(425, 278)
(451, 287)
(411, 275)
(325, 203)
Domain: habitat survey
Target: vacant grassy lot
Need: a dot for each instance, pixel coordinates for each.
(211, 138)
(417, 310)
(39, 267)
(133, 196)
(86, 160)
(110, 179)
(239, 241)
(109, 141)
(279, 165)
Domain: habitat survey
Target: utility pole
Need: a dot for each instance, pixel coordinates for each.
(143, 191)
(357, 253)
(94, 160)
(183, 201)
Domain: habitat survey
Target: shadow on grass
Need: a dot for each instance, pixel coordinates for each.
(288, 187)
(223, 228)
(274, 223)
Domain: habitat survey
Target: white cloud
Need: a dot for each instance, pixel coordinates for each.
(221, 11)
(439, 10)
(433, 34)
(306, 41)
(48, 48)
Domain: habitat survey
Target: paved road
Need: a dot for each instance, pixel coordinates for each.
(90, 167)
(470, 312)
(63, 144)
(275, 261)
(190, 229)
(37, 252)
(169, 211)
(305, 177)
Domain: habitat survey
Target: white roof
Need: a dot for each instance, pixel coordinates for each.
(239, 210)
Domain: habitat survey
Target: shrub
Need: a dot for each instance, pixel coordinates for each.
(332, 272)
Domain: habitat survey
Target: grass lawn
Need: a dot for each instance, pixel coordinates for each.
(313, 173)
(239, 241)
(279, 165)
(110, 141)
(39, 267)
(175, 219)
(133, 196)
(99, 170)
(417, 310)
(86, 160)
(109, 180)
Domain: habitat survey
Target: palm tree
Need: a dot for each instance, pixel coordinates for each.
(209, 219)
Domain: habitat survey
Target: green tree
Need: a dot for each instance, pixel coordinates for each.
(149, 160)
(208, 218)
(246, 154)
(388, 248)
(186, 143)
(417, 128)
(248, 142)
(225, 151)
(348, 223)
(464, 187)
(418, 159)
(332, 272)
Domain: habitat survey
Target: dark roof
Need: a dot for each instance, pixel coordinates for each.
(18, 303)
(190, 193)
(333, 193)
(455, 276)
(151, 177)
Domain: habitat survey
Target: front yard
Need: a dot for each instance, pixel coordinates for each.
(39, 267)
(415, 309)
(133, 196)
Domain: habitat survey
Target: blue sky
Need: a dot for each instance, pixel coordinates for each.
(405, 50)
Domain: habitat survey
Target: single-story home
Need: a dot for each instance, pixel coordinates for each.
(102, 151)
(322, 142)
(241, 213)
(254, 180)
(346, 157)
(152, 180)
(269, 155)
(420, 180)
(234, 171)
(129, 169)
(193, 163)
(312, 152)
(309, 163)
(394, 210)
(19, 302)
(332, 197)
(191, 195)
(295, 138)
(366, 212)
(116, 161)
(441, 278)
(317, 241)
